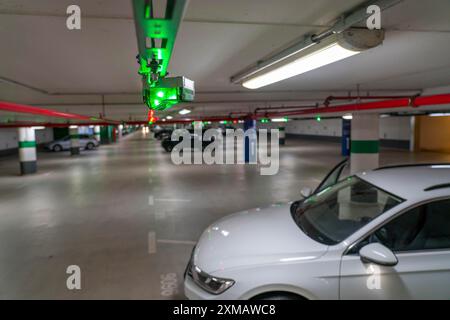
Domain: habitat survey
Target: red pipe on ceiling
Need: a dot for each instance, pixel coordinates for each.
(21, 108)
(376, 105)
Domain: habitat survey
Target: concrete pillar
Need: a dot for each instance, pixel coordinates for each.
(346, 133)
(74, 141)
(250, 141)
(97, 133)
(413, 134)
(119, 132)
(365, 142)
(27, 150)
(282, 138)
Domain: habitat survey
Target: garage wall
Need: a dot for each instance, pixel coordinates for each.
(394, 131)
(433, 133)
(8, 138)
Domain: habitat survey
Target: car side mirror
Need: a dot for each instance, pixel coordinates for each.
(378, 254)
(306, 192)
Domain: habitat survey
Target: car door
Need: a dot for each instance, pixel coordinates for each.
(65, 143)
(83, 140)
(420, 238)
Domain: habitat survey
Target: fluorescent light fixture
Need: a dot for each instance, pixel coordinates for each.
(169, 117)
(279, 120)
(184, 111)
(38, 128)
(73, 127)
(329, 54)
(163, 120)
(440, 114)
(347, 116)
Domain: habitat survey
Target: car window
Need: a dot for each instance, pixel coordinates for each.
(423, 228)
(333, 176)
(336, 212)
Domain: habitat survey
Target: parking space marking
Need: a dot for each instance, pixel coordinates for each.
(172, 200)
(169, 284)
(185, 242)
(151, 242)
(152, 200)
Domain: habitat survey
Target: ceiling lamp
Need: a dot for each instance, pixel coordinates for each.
(347, 116)
(333, 48)
(184, 111)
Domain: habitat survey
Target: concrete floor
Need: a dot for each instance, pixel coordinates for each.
(129, 217)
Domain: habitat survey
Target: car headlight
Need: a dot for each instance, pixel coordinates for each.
(210, 283)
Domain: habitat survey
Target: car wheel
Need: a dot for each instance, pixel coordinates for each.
(278, 296)
(169, 148)
(90, 146)
(57, 148)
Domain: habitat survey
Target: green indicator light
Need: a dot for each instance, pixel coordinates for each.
(318, 118)
(147, 11)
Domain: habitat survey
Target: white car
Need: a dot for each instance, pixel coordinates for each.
(383, 234)
(86, 142)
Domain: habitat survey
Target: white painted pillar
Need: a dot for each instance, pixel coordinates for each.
(27, 150)
(74, 140)
(97, 133)
(365, 142)
(119, 132)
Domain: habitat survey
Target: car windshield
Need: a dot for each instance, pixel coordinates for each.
(336, 212)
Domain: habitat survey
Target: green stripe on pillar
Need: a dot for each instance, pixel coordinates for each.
(27, 144)
(365, 146)
(74, 136)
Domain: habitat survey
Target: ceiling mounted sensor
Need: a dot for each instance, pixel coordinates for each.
(157, 23)
(334, 47)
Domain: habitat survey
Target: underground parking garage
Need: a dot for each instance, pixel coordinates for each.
(225, 150)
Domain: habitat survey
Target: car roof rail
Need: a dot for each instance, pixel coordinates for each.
(437, 186)
(407, 165)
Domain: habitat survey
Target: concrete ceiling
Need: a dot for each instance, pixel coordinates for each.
(82, 70)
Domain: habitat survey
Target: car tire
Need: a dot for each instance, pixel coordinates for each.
(278, 296)
(168, 148)
(57, 148)
(90, 146)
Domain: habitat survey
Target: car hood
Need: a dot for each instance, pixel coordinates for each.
(254, 237)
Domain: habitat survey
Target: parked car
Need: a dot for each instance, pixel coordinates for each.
(382, 234)
(86, 142)
(168, 144)
(162, 134)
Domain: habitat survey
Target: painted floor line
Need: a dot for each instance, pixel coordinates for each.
(172, 200)
(151, 242)
(186, 242)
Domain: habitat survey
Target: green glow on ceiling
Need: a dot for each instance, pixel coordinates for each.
(161, 98)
